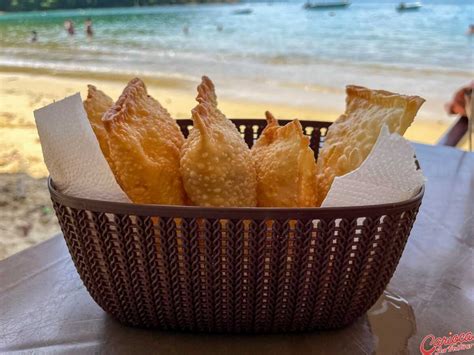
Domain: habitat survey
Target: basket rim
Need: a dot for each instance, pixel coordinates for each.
(257, 120)
(233, 212)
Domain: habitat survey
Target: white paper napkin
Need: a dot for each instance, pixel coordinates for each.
(72, 153)
(387, 175)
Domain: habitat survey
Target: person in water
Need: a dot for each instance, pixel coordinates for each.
(69, 26)
(34, 37)
(88, 26)
(470, 30)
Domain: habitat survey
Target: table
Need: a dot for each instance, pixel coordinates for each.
(44, 308)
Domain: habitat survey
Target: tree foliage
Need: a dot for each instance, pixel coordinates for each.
(30, 5)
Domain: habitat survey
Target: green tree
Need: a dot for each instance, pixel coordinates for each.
(29, 5)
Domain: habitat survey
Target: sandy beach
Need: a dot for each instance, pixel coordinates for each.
(28, 221)
(23, 93)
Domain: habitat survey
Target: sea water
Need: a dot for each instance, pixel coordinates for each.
(278, 52)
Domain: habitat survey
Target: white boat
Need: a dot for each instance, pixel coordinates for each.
(409, 6)
(326, 5)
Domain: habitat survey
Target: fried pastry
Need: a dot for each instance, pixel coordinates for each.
(216, 164)
(144, 145)
(285, 164)
(351, 137)
(96, 104)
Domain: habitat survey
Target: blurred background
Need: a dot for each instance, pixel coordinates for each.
(262, 55)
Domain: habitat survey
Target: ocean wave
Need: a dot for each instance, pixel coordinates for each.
(108, 59)
(169, 79)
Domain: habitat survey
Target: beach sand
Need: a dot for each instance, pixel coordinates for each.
(21, 163)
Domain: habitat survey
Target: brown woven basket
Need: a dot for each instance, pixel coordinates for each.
(235, 269)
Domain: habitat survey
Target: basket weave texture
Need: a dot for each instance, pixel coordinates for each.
(236, 270)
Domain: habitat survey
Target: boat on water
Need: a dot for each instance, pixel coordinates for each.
(409, 6)
(242, 12)
(326, 5)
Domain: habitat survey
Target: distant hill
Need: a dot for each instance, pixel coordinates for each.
(32, 5)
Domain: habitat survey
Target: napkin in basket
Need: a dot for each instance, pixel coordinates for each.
(72, 153)
(389, 174)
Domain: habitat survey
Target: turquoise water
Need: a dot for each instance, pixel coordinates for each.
(366, 32)
(279, 43)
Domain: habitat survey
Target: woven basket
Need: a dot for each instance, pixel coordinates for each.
(235, 269)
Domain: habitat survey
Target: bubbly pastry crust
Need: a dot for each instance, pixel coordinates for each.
(285, 164)
(144, 144)
(216, 164)
(351, 137)
(96, 104)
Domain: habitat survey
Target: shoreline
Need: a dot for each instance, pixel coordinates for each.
(317, 87)
(331, 90)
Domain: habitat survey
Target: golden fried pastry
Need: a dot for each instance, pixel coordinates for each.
(285, 164)
(216, 164)
(96, 104)
(351, 137)
(144, 145)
